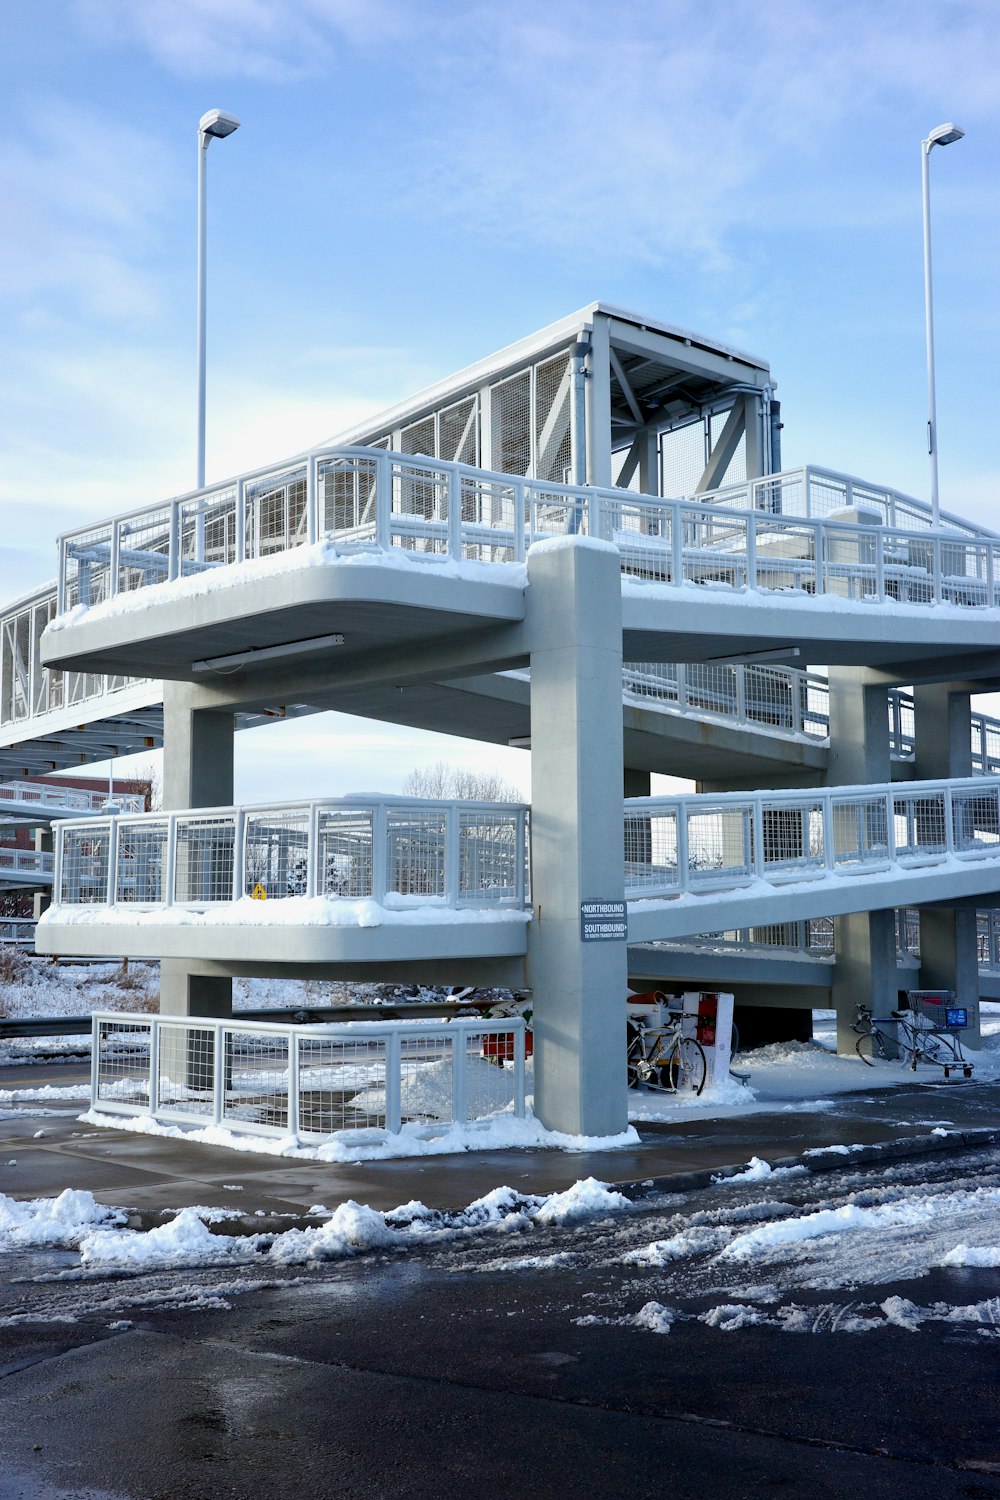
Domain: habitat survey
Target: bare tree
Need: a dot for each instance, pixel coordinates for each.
(146, 780)
(450, 783)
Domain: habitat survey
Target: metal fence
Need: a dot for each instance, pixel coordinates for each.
(784, 699)
(771, 534)
(697, 843)
(25, 866)
(17, 932)
(46, 794)
(447, 853)
(307, 1082)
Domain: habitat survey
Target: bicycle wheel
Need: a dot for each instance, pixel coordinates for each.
(868, 1047)
(688, 1068)
(734, 1045)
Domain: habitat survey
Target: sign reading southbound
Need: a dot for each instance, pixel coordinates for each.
(603, 922)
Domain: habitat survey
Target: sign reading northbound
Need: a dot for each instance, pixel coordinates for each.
(603, 922)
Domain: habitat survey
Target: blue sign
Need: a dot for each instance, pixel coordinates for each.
(603, 922)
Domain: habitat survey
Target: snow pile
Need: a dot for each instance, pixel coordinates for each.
(60, 1221)
(427, 1091)
(688, 1242)
(972, 1255)
(283, 911)
(583, 1200)
(655, 1317)
(755, 1171)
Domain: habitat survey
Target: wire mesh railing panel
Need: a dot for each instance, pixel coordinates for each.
(143, 550)
(276, 852)
(86, 568)
(988, 939)
(427, 1079)
(785, 555)
(345, 852)
(256, 1078)
(141, 861)
(985, 745)
(487, 1058)
(712, 687)
(860, 828)
(418, 514)
(348, 497)
(908, 932)
(342, 1084)
(720, 844)
(206, 532)
(274, 506)
(643, 532)
(651, 679)
(186, 1070)
(493, 519)
(920, 824)
(976, 820)
(651, 852)
(488, 857)
(554, 512)
(791, 839)
(122, 1073)
(416, 851)
(203, 861)
(84, 866)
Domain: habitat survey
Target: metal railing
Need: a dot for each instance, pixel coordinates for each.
(367, 497)
(75, 799)
(31, 865)
(17, 932)
(307, 1082)
(784, 699)
(719, 842)
(400, 850)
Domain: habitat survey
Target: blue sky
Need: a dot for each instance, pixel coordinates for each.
(417, 184)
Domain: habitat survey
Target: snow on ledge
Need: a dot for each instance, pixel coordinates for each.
(286, 911)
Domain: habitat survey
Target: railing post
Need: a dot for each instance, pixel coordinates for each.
(452, 881)
(112, 882)
(95, 1059)
(757, 838)
(676, 541)
(522, 520)
(293, 1082)
(682, 686)
(170, 862)
(521, 857)
(61, 580)
(741, 694)
(890, 825)
(752, 549)
(312, 490)
(454, 482)
(383, 501)
(949, 820)
(154, 1066)
(380, 851)
(880, 563)
(807, 491)
(459, 1055)
(219, 1072)
(240, 522)
(393, 1082)
(173, 541)
(683, 855)
(829, 851)
(57, 862)
(315, 881)
(114, 559)
(593, 512)
(936, 552)
(239, 853)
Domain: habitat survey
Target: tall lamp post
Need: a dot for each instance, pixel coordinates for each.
(215, 125)
(942, 135)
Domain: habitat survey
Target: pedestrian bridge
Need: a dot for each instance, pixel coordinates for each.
(406, 879)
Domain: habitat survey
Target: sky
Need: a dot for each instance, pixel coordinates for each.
(415, 185)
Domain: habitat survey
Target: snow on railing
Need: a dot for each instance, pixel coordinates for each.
(371, 498)
(408, 850)
(78, 799)
(308, 1082)
(721, 842)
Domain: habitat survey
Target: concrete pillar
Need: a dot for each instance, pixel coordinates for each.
(197, 772)
(943, 750)
(864, 942)
(574, 621)
(42, 900)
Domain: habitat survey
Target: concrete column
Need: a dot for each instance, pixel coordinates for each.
(864, 942)
(943, 750)
(574, 621)
(197, 772)
(42, 900)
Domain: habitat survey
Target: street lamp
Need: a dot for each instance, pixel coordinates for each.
(942, 135)
(215, 125)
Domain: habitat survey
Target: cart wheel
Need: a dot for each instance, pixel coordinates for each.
(967, 1072)
(947, 1072)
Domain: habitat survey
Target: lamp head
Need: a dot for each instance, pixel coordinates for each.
(216, 124)
(943, 135)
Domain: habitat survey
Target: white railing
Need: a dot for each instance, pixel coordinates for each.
(404, 850)
(76, 799)
(32, 864)
(366, 497)
(784, 699)
(818, 493)
(721, 842)
(18, 932)
(308, 1082)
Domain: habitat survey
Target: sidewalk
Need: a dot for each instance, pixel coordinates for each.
(45, 1149)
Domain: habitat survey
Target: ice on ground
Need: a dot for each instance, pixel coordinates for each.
(678, 1247)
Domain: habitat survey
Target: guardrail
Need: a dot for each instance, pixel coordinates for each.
(17, 932)
(721, 842)
(31, 865)
(77, 799)
(405, 849)
(365, 497)
(307, 1082)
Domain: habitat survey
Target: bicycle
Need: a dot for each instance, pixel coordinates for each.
(916, 1043)
(660, 1058)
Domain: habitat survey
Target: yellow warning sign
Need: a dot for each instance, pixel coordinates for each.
(259, 893)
